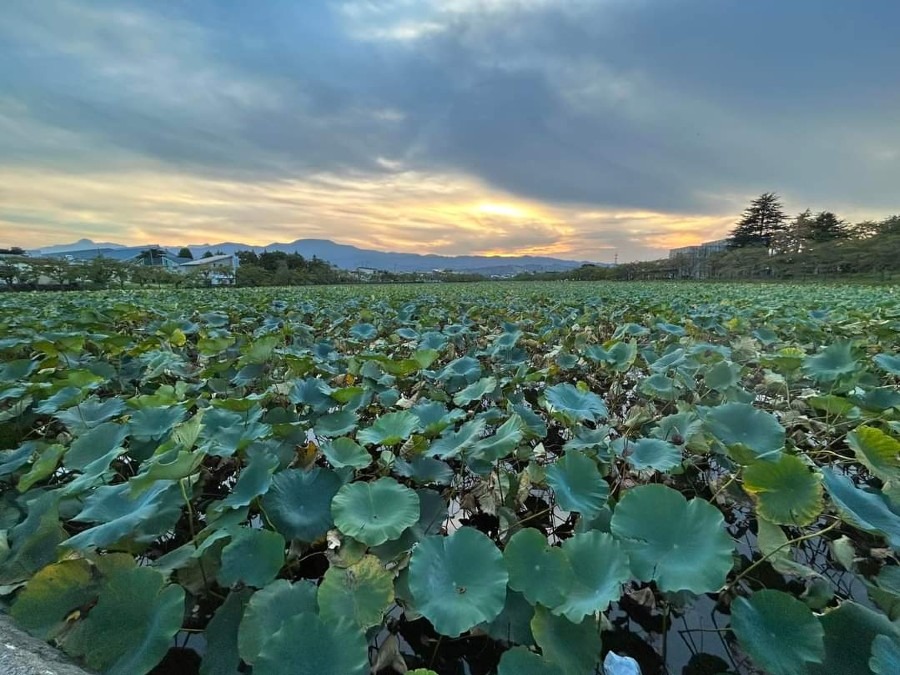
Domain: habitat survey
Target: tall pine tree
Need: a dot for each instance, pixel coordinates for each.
(760, 223)
(826, 227)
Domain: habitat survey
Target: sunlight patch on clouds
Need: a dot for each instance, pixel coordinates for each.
(405, 211)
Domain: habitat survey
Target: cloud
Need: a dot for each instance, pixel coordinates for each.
(318, 118)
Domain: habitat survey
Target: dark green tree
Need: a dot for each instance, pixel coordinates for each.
(185, 252)
(826, 226)
(760, 223)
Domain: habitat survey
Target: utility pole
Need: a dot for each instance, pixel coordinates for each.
(616, 258)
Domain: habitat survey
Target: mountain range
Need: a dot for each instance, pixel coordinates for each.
(349, 257)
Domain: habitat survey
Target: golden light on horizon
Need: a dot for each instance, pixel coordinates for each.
(503, 210)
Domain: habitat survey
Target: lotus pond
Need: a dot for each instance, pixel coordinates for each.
(464, 479)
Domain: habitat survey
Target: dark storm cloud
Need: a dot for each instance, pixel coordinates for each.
(648, 104)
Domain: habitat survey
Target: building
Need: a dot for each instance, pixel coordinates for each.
(219, 270)
(693, 262)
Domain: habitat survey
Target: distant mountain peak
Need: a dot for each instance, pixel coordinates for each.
(349, 257)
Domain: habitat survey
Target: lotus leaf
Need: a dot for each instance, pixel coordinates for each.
(653, 454)
(750, 432)
(298, 503)
(779, 632)
(375, 512)
(390, 429)
(252, 557)
(307, 644)
(458, 581)
(601, 567)
(541, 572)
(573, 647)
(786, 491)
(680, 544)
(577, 484)
(877, 451)
(866, 509)
(268, 609)
(360, 592)
(574, 403)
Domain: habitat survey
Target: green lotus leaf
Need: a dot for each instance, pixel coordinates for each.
(336, 423)
(749, 432)
(268, 609)
(879, 452)
(475, 391)
(885, 655)
(659, 386)
(222, 657)
(786, 492)
(51, 594)
(344, 451)
(522, 661)
(680, 544)
(454, 443)
(173, 465)
(889, 363)
(504, 440)
(653, 454)
(34, 541)
(678, 428)
(141, 519)
(573, 647)
(773, 544)
(722, 376)
(513, 624)
(90, 413)
(434, 416)
(253, 481)
(253, 557)
(375, 512)
(833, 404)
(364, 331)
(44, 465)
(541, 572)
(831, 363)
(94, 444)
(601, 567)
(779, 632)
(390, 429)
(360, 592)
(458, 581)
(155, 423)
(866, 509)
(850, 632)
(131, 627)
(424, 470)
(432, 513)
(307, 644)
(577, 484)
(13, 460)
(574, 403)
(298, 503)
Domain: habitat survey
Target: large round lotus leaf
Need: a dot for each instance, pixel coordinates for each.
(541, 572)
(458, 581)
(786, 491)
(253, 557)
(885, 655)
(390, 429)
(307, 644)
(298, 504)
(879, 452)
(653, 454)
(868, 510)
(51, 595)
(680, 544)
(375, 512)
(779, 632)
(522, 661)
(268, 609)
(222, 635)
(831, 363)
(749, 432)
(577, 484)
(601, 567)
(573, 647)
(131, 627)
(360, 592)
(571, 401)
(850, 631)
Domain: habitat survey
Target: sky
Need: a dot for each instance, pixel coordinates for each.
(581, 129)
